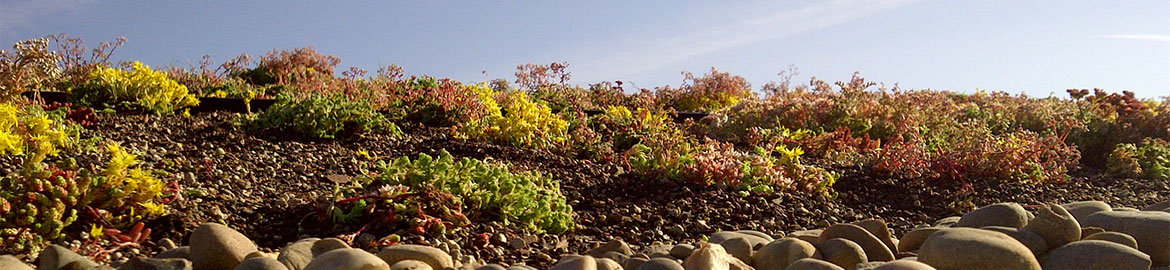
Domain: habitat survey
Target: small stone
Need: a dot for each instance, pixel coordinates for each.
(755, 240)
(681, 251)
(608, 264)
(157, 264)
(904, 265)
(947, 222)
(516, 243)
(615, 245)
(1115, 237)
(634, 262)
(739, 248)
(841, 252)
(781, 253)
(1055, 225)
(167, 244)
(1157, 206)
(328, 244)
(811, 236)
(1033, 241)
(490, 266)
(875, 250)
(348, 259)
(676, 230)
(1150, 229)
(660, 264)
(217, 247)
(434, 257)
(8, 262)
(1087, 231)
(813, 264)
(879, 229)
(975, 249)
(575, 263)
(297, 255)
(261, 263)
(55, 257)
(1096, 255)
(617, 257)
(418, 265)
(1082, 209)
(756, 233)
(712, 256)
(183, 252)
(913, 239)
(1000, 214)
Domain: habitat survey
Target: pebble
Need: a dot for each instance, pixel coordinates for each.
(999, 214)
(904, 265)
(813, 264)
(348, 259)
(1115, 237)
(297, 255)
(841, 252)
(975, 249)
(1096, 255)
(575, 263)
(681, 251)
(660, 264)
(780, 253)
(1150, 229)
(912, 240)
(1082, 209)
(1055, 225)
(56, 257)
(261, 263)
(434, 257)
(157, 264)
(326, 245)
(8, 262)
(418, 265)
(615, 245)
(217, 247)
(875, 250)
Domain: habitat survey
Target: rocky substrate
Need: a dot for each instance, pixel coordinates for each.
(269, 188)
(1078, 235)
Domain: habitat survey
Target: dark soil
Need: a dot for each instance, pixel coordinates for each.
(268, 186)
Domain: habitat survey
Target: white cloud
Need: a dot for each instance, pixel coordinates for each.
(20, 14)
(1165, 38)
(647, 54)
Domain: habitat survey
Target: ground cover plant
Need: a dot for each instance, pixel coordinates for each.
(433, 193)
(786, 139)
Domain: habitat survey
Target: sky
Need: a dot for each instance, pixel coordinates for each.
(1036, 47)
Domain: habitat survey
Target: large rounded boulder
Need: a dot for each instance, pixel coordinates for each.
(975, 249)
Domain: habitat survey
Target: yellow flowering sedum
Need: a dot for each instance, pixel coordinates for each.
(518, 121)
(149, 89)
(136, 184)
(28, 130)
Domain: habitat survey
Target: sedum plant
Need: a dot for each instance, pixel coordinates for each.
(1149, 159)
(319, 116)
(40, 200)
(515, 119)
(430, 193)
(137, 89)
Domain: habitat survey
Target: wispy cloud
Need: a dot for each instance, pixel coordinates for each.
(1165, 38)
(19, 14)
(653, 53)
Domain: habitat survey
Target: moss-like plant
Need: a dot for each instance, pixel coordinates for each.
(319, 116)
(1149, 159)
(430, 193)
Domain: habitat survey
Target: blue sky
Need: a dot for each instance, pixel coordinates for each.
(1037, 47)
